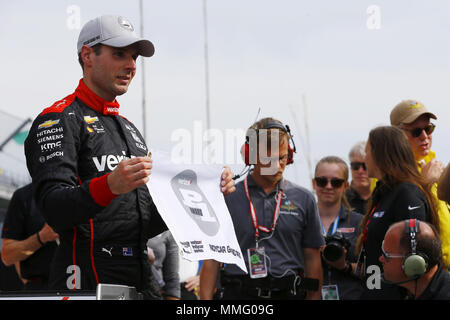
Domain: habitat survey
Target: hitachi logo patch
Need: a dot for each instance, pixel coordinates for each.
(109, 161)
(48, 124)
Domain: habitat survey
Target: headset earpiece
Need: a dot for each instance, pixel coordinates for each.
(415, 264)
(245, 153)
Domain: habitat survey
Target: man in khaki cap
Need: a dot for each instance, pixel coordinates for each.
(414, 118)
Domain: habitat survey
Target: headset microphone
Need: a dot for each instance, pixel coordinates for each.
(383, 279)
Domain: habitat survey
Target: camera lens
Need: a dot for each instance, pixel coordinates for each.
(333, 251)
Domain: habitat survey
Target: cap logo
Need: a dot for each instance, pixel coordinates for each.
(125, 24)
(91, 40)
(414, 104)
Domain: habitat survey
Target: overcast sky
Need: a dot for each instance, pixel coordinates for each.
(348, 62)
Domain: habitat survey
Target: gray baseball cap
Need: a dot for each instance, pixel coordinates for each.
(114, 31)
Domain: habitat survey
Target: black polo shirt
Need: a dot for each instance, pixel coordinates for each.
(438, 288)
(349, 287)
(356, 202)
(391, 204)
(22, 220)
(298, 225)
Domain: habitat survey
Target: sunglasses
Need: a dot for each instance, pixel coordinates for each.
(418, 131)
(389, 256)
(323, 182)
(356, 165)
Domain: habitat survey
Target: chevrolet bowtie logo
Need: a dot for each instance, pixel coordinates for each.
(90, 119)
(48, 124)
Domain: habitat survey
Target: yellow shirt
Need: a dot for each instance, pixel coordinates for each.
(443, 213)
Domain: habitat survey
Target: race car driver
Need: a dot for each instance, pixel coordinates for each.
(90, 168)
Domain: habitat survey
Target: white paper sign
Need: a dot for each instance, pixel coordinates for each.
(189, 200)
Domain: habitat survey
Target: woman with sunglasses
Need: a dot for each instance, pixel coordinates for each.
(401, 193)
(340, 229)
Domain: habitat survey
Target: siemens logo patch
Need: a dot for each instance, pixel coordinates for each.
(50, 138)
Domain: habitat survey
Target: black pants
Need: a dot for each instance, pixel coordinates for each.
(185, 294)
(36, 284)
(236, 292)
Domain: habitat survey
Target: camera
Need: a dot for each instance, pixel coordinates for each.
(335, 245)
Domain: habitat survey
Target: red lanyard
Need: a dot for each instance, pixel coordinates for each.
(253, 212)
(364, 239)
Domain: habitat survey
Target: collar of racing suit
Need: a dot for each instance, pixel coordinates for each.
(95, 102)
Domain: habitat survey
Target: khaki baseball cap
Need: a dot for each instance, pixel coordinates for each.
(408, 111)
(114, 31)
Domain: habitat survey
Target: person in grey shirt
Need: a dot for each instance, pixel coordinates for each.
(166, 264)
(277, 226)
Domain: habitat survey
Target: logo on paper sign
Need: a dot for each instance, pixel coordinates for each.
(186, 246)
(194, 202)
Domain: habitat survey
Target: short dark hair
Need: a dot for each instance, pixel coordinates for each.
(97, 49)
(429, 245)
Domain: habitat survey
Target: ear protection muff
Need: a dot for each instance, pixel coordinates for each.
(246, 149)
(415, 264)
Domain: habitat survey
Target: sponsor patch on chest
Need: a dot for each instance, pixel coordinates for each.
(346, 230)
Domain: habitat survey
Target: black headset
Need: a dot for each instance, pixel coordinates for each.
(249, 148)
(415, 263)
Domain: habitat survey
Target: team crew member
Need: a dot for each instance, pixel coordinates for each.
(415, 120)
(90, 168)
(340, 226)
(412, 258)
(277, 227)
(358, 194)
(28, 242)
(166, 263)
(400, 194)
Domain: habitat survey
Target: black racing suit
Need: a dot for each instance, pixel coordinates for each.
(71, 148)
